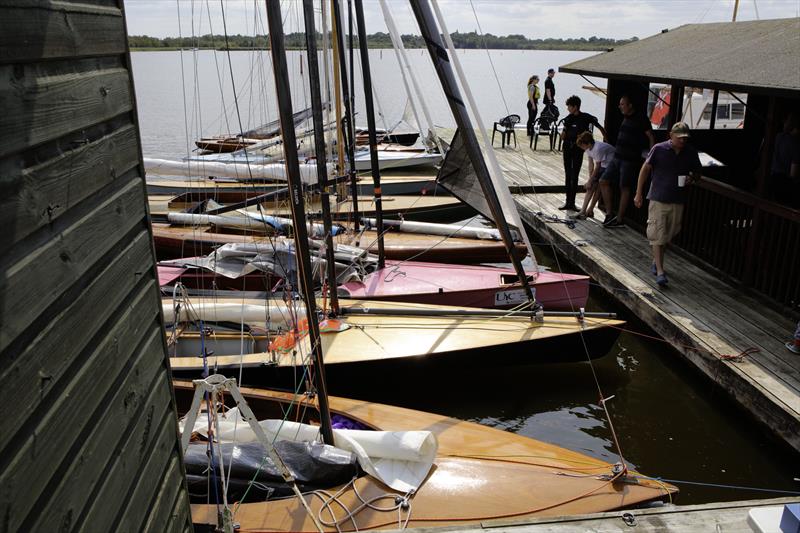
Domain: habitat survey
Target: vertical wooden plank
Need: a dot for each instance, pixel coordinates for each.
(81, 344)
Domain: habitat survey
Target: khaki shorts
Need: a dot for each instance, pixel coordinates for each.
(663, 222)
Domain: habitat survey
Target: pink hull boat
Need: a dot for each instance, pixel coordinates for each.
(466, 285)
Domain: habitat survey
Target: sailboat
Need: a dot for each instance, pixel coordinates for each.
(463, 473)
(465, 174)
(177, 241)
(363, 332)
(476, 474)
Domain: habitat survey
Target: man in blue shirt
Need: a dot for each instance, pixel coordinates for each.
(673, 165)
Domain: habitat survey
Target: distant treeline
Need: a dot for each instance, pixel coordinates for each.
(469, 40)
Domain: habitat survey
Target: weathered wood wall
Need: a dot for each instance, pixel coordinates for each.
(89, 439)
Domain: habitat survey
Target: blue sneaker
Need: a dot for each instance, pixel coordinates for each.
(653, 269)
(662, 280)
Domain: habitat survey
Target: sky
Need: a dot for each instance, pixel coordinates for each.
(535, 19)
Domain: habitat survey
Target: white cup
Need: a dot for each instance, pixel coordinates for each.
(682, 180)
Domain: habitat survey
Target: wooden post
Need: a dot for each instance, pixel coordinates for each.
(764, 167)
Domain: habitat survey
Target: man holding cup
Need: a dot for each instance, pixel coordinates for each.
(673, 165)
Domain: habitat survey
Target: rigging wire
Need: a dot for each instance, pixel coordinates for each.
(602, 397)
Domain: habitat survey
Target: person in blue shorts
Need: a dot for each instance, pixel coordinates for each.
(635, 135)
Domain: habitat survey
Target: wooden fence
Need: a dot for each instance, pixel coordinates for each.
(754, 241)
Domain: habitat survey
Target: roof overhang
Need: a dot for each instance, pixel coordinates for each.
(760, 56)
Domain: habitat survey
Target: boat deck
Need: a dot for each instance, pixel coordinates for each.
(704, 318)
(723, 516)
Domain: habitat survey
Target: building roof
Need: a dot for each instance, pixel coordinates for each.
(761, 56)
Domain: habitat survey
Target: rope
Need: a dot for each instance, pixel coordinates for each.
(719, 485)
(602, 397)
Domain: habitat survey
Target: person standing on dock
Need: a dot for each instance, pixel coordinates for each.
(673, 165)
(533, 102)
(575, 123)
(549, 98)
(634, 134)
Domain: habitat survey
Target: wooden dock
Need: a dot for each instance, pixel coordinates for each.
(726, 516)
(704, 318)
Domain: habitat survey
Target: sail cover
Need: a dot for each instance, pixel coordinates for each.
(457, 175)
(400, 459)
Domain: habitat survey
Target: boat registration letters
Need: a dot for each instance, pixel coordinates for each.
(512, 297)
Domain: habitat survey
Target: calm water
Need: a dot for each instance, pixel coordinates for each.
(204, 77)
(671, 422)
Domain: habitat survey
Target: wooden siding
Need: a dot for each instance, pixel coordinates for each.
(91, 438)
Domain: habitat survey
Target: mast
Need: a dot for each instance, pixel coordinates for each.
(340, 141)
(373, 139)
(319, 146)
(347, 124)
(405, 66)
(441, 62)
(283, 91)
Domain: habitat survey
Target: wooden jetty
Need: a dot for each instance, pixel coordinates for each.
(732, 333)
(704, 317)
(723, 516)
(90, 425)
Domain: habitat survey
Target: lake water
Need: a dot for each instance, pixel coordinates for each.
(671, 422)
(498, 81)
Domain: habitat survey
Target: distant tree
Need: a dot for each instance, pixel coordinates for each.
(470, 40)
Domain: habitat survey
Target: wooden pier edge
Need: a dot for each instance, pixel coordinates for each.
(761, 404)
(718, 516)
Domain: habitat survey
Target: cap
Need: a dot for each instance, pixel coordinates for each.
(680, 129)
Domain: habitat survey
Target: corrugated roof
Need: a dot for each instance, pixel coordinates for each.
(761, 56)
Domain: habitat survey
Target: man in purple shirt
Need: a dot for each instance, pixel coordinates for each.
(673, 165)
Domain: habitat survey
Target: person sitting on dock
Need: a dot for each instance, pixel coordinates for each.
(575, 123)
(600, 155)
(533, 102)
(673, 165)
(634, 132)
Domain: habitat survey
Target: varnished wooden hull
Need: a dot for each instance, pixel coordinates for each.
(479, 474)
(408, 183)
(419, 208)
(407, 344)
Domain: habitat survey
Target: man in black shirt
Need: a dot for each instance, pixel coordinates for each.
(635, 136)
(549, 97)
(575, 123)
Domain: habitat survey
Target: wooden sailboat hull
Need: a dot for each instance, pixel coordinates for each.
(174, 242)
(224, 144)
(391, 185)
(421, 208)
(479, 474)
(397, 159)
(466, 285)
(407, 344)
